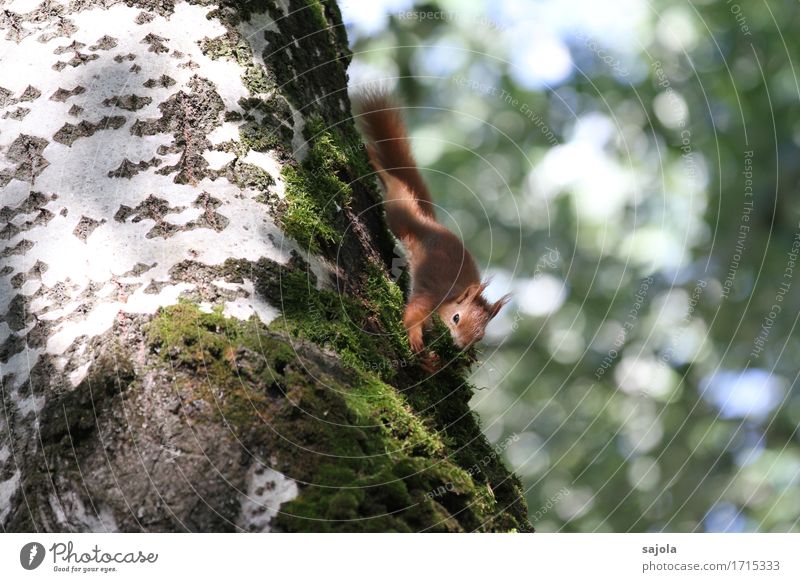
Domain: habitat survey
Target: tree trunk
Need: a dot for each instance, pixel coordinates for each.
(200, 330)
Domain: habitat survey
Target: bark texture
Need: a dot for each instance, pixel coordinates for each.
(199, 329)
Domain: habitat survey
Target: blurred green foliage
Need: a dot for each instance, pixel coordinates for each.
(630, 172)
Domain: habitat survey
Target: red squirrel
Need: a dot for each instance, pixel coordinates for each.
(444, 277)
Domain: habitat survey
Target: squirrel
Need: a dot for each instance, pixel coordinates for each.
(444, 277)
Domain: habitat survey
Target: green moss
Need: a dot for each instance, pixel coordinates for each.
(340, 322)
(388, 304)
(446, 398)
(371, 462)
(317, 190)
(397, 484)
(371, 398)
(305, 219)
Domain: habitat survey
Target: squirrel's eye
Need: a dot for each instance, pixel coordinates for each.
(456, 318)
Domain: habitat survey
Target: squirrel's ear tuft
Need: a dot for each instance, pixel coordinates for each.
(468, 293)
(498, 305)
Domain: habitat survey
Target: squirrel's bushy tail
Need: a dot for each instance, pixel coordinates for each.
(389, 147)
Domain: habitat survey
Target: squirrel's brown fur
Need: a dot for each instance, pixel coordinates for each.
(444, 276)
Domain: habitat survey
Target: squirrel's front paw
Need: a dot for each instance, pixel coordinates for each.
(431, 363)
(415, 339)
